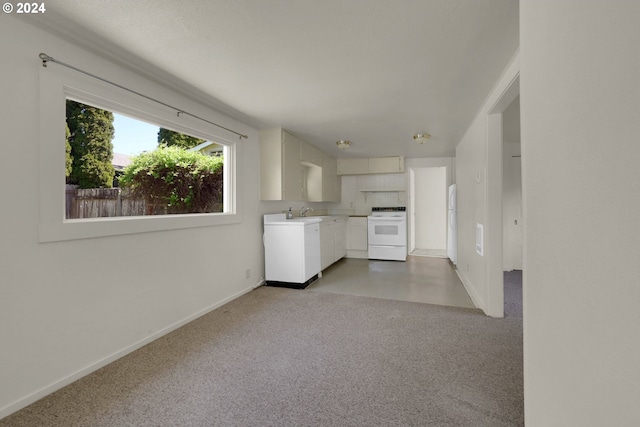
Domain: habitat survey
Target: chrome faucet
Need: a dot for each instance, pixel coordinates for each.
(303, 211)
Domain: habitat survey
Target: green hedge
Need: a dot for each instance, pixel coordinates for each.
(175, 180)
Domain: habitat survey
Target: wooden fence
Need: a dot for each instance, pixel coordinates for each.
(112, 202)
(102, 202)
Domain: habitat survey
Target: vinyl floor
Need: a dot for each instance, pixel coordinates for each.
(419, 279)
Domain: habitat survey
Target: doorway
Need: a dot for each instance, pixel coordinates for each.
(512, 210)
(428, 211)
(511, 188)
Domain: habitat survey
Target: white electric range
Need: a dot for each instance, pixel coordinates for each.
(387, 233)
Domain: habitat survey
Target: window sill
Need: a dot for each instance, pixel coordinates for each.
(101, 227)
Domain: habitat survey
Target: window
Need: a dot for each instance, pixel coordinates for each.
(57, 85)
(120, 166)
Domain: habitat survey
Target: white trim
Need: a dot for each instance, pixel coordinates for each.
(494, 188)
(493, 231)
(475, 298)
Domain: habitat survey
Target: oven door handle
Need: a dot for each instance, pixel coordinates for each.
(386, 219)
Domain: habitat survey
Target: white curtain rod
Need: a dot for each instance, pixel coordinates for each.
(46, 58)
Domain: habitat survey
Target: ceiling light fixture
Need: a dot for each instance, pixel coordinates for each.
(421, 138)
(342, 144)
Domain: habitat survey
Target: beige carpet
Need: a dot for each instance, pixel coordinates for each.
(513, 293)
(282, 357)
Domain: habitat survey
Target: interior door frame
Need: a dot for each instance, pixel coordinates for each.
(494, 227)
(412, 211)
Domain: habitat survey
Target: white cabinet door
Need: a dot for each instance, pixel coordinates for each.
(327, 243)
(271, 164)
(280, 172)
(310, 154)
(353, 166)
(284, 253)
(291, 169)
(372, 165)
(340, 246)
(386, 165)
(357, 234)
(330, 179)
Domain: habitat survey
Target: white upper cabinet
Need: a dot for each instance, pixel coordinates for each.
(330, 179)
(310, 154)
(311, 162)
(386, 165)
(292, 173)
(372, 165)
(280, 168)
(294, 170)
(353, 166)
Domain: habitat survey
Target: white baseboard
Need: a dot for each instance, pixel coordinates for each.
(258, 284)
(475, 298)
(353, 253)
(57, 385)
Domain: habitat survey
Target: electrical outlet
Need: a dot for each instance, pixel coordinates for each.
(248, 273)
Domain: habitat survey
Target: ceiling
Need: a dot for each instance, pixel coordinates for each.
(375, 72)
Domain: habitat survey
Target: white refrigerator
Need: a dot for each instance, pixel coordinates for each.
(452, 226)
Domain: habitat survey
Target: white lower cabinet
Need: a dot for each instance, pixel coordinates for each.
(327, 243)
(292, 251)
(341, 239)
(357, 238)
(333, 245)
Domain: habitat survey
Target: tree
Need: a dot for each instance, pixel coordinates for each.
(90, 134)
(169, 138)
(68, 160)
(176, 180)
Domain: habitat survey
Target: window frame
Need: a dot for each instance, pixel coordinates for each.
(56, 86)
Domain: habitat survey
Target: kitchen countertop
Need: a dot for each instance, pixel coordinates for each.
(280, 219)
(329, 217)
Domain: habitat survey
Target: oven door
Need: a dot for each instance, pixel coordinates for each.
(387, 231)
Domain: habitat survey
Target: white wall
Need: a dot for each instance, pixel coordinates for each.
(67, 308)
(580, 105)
